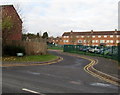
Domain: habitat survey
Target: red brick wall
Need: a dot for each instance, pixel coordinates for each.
(90, 39)
(16, 31)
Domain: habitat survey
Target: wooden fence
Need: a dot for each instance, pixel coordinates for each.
(32, 47)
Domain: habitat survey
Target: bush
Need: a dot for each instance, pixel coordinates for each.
(11, 50)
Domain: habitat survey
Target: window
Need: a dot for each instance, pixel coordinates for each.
(102, 41)
(96, 41)
(99, 36)
(93, 36)
(111, 41)
(111, 36)
(66, 37)
(77, 36)
(105, 36)
(117, 36)
(117, 41)
(65, 41)
(107, 41)
(82, 36)
(93, 41)
(84, 41)
(79, 41)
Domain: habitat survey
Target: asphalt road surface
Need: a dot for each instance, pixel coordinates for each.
(67, 76)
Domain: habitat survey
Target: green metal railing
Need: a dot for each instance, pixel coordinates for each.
(107, 52)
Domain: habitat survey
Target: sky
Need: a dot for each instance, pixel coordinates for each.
(59, 16)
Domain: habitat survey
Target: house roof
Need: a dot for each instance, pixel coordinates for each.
(14, 10)
(91, 32)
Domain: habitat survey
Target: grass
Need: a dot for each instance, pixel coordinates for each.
(32, 58)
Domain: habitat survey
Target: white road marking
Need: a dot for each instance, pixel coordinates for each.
(34, 73)
(75, 82)
(104, 85)
(24, 89)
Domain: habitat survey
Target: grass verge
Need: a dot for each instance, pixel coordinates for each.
(32, 58)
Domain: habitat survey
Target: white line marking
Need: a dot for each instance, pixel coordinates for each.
(31, 91)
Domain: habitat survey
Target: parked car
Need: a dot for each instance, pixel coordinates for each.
(108, 52)
(91, 50)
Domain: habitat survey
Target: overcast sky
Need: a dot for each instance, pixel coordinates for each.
(59, 16)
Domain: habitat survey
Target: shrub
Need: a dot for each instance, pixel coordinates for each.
(12, 50)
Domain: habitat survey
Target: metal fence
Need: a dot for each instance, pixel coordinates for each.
(55, 46)
(112, 52)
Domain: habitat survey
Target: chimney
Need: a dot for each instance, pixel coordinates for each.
(91, 31)
(115, 29)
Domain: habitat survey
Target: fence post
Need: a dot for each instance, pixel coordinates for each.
(119, 52)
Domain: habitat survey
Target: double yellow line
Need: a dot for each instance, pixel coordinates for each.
(101, 75)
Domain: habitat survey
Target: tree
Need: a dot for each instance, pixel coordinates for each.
(38, 35)
(7, 25)
(45, 35)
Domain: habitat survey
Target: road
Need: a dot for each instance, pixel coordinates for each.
(67, 76)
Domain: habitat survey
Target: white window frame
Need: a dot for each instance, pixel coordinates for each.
(93, 36)
(111, 36)
(117, 36)
(105, 36)
(99, 36)
(117, 41)
(93, 41)
(111, 41)
(108, 41)
(82, 36)
(96, 41)
(102, 41)
(65, 41)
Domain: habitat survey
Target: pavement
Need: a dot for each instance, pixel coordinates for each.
(66, 76)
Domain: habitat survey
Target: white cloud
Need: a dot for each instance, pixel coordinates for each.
(58, 16)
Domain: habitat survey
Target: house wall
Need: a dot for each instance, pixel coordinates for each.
(15, 33)
(107, 38)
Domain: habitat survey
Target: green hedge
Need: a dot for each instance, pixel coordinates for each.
(11, 50)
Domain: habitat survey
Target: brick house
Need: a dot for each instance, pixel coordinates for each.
(55, 40)
(11, 23)
(91, 38)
